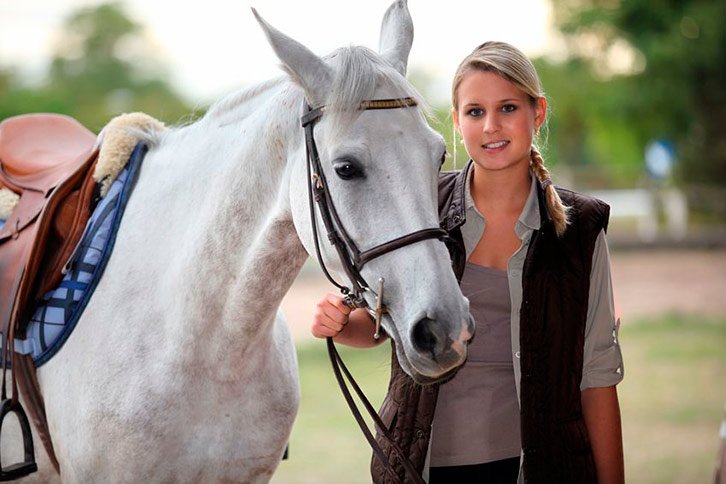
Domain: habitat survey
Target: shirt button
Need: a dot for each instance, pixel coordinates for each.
(516, 354)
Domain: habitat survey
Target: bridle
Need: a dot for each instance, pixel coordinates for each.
(353, 260)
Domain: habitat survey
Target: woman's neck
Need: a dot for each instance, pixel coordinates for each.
(500, 191)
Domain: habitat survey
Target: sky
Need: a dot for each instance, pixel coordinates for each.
(213, 47)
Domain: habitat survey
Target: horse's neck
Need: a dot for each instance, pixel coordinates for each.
(237, 250)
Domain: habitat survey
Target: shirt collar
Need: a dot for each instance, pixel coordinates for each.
(529, 219)
(530, 216)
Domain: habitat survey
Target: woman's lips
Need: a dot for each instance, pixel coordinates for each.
(495, 145)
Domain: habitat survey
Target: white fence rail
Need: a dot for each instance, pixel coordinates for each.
(645, 206)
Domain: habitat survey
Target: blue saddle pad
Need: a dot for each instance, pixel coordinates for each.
(60, 309)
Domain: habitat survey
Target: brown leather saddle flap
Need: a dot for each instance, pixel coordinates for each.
(40, 237)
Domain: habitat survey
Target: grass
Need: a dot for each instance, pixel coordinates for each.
(671, 400)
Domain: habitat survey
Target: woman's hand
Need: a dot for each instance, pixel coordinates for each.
(334, 319)
(331, 316)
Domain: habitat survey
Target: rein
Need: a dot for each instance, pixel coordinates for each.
(353, 261)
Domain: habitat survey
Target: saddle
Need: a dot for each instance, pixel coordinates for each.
(47, 159)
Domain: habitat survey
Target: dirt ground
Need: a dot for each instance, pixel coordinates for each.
(647, 283)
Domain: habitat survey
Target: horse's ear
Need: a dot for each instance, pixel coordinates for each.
(306, 68)
(396, 35)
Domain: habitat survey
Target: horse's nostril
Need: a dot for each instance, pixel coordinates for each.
(424, 337)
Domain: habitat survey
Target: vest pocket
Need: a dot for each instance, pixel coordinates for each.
(388, 414)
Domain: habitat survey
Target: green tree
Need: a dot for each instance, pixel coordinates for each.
(100, 69)
(589, 135)
(674, 85)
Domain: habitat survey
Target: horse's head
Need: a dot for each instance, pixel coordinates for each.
(380, 165)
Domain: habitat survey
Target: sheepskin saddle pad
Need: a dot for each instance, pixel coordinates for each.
(59, 309)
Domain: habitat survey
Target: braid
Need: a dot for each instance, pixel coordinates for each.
(558, 210)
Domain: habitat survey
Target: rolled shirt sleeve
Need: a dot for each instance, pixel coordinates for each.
(602, 360)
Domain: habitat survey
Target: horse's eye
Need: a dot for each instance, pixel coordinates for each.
(443, 160)
(347, 170)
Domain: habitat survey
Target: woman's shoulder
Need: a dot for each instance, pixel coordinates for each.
(584, 208)
(449, 180)
(451, 197)
(577, 199)
(449, 176)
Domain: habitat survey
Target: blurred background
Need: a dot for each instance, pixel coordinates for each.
(637, 106)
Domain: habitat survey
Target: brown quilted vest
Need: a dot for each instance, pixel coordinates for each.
(555, 283)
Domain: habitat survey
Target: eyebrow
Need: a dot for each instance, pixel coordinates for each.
(501, 101)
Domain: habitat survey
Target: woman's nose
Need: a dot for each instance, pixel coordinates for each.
(491, 124)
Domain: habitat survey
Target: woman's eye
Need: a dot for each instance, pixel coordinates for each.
(347, 170)
(475, 112)
(508, 108)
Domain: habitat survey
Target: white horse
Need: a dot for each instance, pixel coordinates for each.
(182, 368)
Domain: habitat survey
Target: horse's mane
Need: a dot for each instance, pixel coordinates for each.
(359, 71)
(231, 102)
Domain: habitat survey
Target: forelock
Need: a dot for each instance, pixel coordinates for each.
(359, 72)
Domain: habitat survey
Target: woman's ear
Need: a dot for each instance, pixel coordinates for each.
(455, 119)
(540, 112)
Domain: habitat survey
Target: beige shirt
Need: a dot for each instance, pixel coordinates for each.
(603, 361)
(477, 412)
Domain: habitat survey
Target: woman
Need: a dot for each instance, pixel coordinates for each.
(540, 378)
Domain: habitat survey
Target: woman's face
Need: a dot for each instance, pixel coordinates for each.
(497, 121)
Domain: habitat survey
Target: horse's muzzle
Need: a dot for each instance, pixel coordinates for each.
(436, 352)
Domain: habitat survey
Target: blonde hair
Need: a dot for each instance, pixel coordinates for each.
(511, 64)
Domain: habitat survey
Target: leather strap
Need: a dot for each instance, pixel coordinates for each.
(402, 241)
(8, 321)
(30, 389)
(339, 368)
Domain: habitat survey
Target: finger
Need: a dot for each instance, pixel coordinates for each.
(334, 322)
(333, 314)
(338, 302)
(329, 309)
(321, 331)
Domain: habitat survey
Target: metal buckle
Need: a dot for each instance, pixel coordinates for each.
(380, 309)
(355, 300)
(20, 469)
